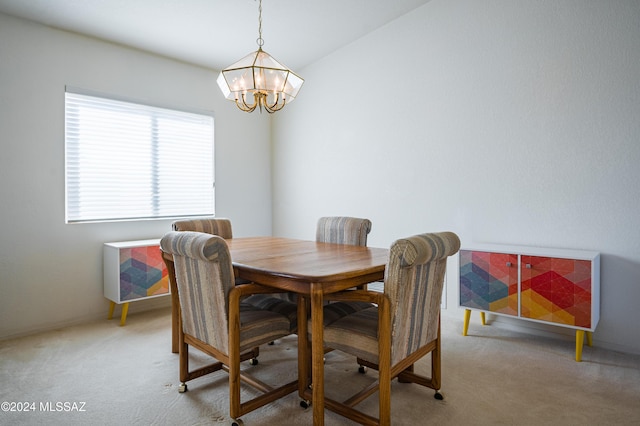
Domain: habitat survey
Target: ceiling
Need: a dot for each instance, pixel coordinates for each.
(216, 33)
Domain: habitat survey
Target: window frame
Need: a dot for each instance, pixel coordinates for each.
(189, 178)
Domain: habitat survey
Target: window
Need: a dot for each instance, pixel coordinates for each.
(126, 161)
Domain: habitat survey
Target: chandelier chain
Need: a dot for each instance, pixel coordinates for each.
(260, 41)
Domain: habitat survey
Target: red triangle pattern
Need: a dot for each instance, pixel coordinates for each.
(564, 286)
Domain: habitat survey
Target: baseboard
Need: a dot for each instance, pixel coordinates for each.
(134, 307)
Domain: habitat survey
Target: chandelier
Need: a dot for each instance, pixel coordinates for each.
(272, 84)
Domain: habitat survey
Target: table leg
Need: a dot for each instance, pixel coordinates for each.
(304, 376)
(317, 350)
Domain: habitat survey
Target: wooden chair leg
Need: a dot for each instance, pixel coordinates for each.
(234, 357)
(175, 322)
(408, 370)
(436, 363)
(183, 362)
(384, 363)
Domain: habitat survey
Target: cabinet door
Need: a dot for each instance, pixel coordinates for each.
(489, 281)
(556, 290)
(142, 273)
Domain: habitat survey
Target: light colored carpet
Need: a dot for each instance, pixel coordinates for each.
(128, 376)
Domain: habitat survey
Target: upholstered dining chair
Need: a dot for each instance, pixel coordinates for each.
(329, 229)
(343, 230)
(401, 325)
(218, 226)
(222, 228)
(215, 320)
(338, 230)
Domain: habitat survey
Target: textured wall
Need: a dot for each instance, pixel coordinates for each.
(51, 273)
(511, 122)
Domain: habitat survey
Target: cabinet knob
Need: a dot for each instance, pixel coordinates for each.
(528, 266)
(508, 264)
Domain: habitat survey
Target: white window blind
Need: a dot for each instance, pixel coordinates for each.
(126, 161)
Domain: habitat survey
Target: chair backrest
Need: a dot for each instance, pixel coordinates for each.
(219, 226)
(204, 277)
(414, 279)
(343, 230)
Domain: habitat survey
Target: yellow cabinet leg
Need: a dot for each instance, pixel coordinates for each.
(589, 338)
(467, 317)
(112, 306)
(465, 326)
(123, 317)
(579, 344)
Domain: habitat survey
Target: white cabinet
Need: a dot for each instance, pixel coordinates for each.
(553, 286)
(133, 270)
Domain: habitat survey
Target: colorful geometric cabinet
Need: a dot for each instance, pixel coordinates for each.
(559, 287)
(133, 270)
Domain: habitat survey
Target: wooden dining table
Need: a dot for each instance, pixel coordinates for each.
(312, 270)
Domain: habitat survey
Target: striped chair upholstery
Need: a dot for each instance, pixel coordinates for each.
(279, 303)
(222, 227)
(405, 324)
(343, 230)
(204, 275)
(214, 318)
(218, 226)
(336, 230)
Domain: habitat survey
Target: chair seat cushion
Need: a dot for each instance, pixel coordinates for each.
(355, 334)
(337, 310)
(332, 311)
(259, 326)
(277, 305)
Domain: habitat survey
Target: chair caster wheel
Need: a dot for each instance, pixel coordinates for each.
(362, 369)
(438, 396)
(237, 422)
(182, 388)
(272, 343)
(253, 361)
(305, 404)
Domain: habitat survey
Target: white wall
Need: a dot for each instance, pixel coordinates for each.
(513, 122)
(51, 273)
